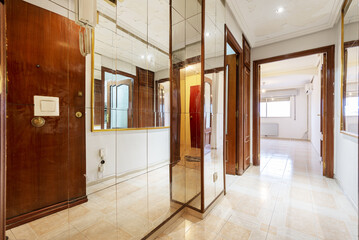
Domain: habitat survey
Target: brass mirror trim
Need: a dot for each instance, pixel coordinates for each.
(344, 10)
(93, 96)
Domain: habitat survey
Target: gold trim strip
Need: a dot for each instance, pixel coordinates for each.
(128, 129)
(349, 134)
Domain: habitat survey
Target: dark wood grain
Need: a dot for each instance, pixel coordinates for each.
(256, 141)
(231, 136)
(146, 111)
(246, 117)
(2, 123)
(246, 53)
(45, 166)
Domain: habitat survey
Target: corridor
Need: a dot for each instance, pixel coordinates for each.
(285, 198)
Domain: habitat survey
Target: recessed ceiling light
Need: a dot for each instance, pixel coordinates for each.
(263, 90)
(280, 10)
(207, 34)
(142, 57)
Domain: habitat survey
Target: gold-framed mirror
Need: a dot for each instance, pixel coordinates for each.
(130, 62)
(350, 68)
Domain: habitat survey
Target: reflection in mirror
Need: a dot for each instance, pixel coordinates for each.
(186, 89)
(350, 66)
(163, 103)
(350, 88)
(129, 58)
(213, 101)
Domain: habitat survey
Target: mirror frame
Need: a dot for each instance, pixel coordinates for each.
(344, 10)
(93, 96)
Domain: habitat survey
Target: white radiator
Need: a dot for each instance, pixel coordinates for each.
(269, 129)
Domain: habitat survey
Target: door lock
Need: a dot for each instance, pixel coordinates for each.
(78, 114)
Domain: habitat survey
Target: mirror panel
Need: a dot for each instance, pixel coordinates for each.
(350, 67)
(130, 56)
(186, 88)
(213, 101)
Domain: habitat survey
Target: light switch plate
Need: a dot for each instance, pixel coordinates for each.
(46, 106)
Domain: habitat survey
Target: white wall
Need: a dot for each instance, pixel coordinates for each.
(345, 147)
(315, 110)
(295, 126)
(126, 151)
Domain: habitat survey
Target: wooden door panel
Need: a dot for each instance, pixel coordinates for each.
(42, 169)
(231, 141)
(195, 115)
(2, 120)
(246, 112)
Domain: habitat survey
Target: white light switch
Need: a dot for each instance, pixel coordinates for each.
(46, 106)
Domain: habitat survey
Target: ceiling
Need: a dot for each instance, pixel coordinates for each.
(263, 25)
(289, 74)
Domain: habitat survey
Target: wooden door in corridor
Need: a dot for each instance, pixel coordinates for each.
(45, 165)
(231, 133)
(246, 116)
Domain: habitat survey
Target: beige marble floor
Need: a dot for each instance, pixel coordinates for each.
(123, 210)
(285, 198)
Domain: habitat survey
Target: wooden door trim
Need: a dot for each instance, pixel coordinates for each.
(2, 123)
(329, 101)
(231, 40)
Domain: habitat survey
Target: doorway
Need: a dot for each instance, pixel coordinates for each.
(326, 104)
(234, 105)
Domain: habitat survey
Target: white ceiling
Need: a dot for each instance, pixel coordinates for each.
(262, 25)
(289, 74)
(130, 44)
(352, 15)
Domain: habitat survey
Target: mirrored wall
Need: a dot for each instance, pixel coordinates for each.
(214, 100)
(186, 111)
(350, 68)
(131, 66)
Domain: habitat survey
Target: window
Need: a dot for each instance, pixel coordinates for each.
(275, 107)
(351, 106)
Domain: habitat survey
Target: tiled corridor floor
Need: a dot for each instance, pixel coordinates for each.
(285, 198)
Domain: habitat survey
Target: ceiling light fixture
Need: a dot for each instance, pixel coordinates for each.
(207, 34)
(280, 10)
(189, 68)
(142, 57)
(263, 90)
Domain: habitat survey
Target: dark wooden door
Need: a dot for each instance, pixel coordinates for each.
(195, 115)
(246, 120)
(231, 135)
(46, 165)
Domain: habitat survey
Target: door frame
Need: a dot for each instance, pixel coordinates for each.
(2, 122)
(328, 133)
(231, 40)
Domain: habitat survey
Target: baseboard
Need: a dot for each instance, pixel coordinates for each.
(43, 212)
(291, 139)
(346, 195)
(129, 174)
